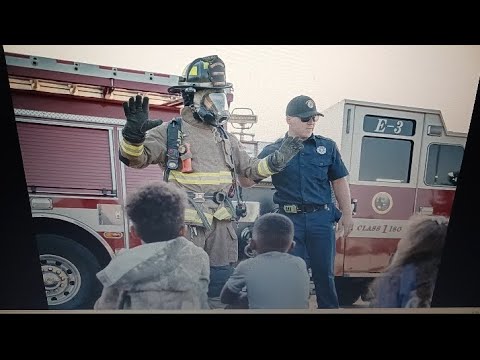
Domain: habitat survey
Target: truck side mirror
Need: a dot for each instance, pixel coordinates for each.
(452, 177)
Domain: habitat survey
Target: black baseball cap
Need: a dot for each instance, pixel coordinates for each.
(302, 106)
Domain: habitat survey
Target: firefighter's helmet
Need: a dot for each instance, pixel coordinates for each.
(203, 73)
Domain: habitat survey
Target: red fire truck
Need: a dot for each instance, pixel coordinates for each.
(69, 117)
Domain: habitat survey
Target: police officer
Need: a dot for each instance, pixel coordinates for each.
(218, 162)
(303, 193)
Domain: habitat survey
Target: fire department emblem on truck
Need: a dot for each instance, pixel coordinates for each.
(382, 202)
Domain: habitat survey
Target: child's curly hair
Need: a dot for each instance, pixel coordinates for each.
(157, 211)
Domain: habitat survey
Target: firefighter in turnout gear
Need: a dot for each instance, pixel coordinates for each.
(201, 157)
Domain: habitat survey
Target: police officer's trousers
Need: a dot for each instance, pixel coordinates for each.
(315, 243)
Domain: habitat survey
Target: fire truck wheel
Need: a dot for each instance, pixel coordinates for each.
(244, 236)
(68, 270)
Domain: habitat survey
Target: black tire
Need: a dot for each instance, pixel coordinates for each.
(69, 273)
(348, 290)
(243, 235)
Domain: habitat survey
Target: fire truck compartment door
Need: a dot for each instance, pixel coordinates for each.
(67, 159)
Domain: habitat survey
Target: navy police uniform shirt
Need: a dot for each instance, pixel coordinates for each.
(306, 178)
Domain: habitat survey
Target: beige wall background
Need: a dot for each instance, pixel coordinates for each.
(265, 78)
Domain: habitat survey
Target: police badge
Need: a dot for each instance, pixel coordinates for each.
(321, 150)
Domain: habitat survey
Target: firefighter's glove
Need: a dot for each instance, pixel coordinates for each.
(287, 151)
(136, 112)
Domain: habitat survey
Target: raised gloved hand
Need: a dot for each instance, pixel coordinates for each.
(289, 148)
(137, 124)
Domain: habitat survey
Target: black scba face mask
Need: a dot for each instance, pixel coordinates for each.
(212, 108)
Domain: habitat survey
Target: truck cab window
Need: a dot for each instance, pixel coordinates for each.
(441, 160)
(385, 159)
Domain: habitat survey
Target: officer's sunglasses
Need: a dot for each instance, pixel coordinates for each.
(315, 118)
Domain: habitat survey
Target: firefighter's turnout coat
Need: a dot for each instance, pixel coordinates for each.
(213, 159)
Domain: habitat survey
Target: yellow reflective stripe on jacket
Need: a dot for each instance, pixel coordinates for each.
(191, 216)
(210, 178)
(132, 150)
(222, 214)
(263, 168)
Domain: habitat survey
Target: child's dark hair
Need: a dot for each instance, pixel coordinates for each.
(273, 232)
(157, 211)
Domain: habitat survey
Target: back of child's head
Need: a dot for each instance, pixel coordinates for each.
(157, 210)
(273, 232)
(421, 247)
(423, 240)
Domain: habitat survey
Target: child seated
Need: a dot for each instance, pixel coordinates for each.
(167, 271)
(410, 279)
(274, 279)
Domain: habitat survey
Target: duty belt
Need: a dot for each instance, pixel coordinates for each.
(300, 209)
